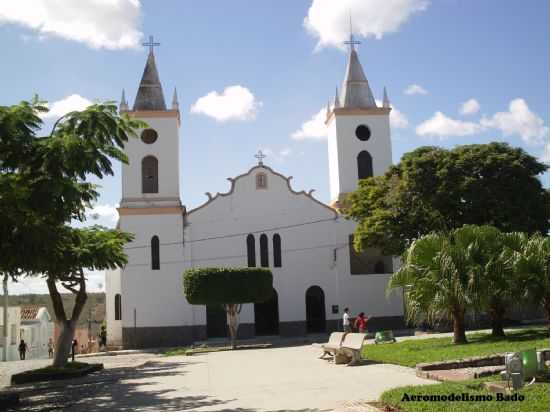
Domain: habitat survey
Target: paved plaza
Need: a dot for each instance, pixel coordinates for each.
(259, 380)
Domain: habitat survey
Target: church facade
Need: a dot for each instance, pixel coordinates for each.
(262, 221)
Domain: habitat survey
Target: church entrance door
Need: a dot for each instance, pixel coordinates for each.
(315, 310)
(266, 316)
(216, 321)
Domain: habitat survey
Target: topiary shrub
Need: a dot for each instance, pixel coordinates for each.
(230, 287)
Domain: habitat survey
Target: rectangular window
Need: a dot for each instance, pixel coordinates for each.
(13, 334)
(368, 262)
(261, 181)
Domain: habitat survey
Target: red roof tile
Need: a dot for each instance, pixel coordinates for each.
(29, 312)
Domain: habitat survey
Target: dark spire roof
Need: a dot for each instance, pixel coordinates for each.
(356, 92)
(149, 95)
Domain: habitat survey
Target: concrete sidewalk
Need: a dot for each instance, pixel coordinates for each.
(290, 379)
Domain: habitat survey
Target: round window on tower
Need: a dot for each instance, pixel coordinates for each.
(149, 136)
(362, 132)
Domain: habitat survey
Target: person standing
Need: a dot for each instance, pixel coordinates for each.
(346, 321)
(361, 323)
(22, 349)
(50, 348)
(74, 348)
(103, 338)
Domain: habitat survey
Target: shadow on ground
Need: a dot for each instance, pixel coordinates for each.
(531, 334)
(123, 390)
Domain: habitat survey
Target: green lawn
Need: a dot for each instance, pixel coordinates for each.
(411, 352)
(536, 398)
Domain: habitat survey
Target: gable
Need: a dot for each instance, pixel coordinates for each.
(262, 191)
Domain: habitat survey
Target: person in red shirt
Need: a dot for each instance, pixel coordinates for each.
(361, 323)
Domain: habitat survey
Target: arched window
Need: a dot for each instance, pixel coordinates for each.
(264, 252)
(150, 175)
(251, 250)
(364, 165)
(261, 181)
(277, 250)
(379, 267)
(118, 307)
(155, 253)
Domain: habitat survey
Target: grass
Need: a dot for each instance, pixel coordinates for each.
(411, 352)
(536, 398)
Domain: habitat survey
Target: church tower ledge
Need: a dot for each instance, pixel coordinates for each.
(357, 111)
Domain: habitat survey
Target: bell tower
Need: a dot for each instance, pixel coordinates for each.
(359, 142)
(151, 177)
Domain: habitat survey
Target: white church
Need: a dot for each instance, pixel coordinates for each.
(261, 221)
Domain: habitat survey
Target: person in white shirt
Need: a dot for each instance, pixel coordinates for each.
(346, 322)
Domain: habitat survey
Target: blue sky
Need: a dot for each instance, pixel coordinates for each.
(287, 58)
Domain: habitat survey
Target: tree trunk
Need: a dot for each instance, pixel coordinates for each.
(67, 326)
(459, 329)
(496, 312)
(232, 311)
(64, 343)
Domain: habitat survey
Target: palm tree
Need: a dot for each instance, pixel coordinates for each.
(436, 280)
(494, 282)
(532, 264)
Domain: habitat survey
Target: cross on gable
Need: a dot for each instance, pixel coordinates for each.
(260, 156)
(151, 43)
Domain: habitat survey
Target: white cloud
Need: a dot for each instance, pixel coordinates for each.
(66, 105)
(469, 107)
(95, 282)
(234, 103)
(415, 89)
(545, 157)
(442, 126)
(105, 212)
(520, 120)
(328, 20)
(314, 128)
(278, 155)
(109, 24)
(397, 119)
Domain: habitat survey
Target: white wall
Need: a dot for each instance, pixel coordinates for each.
(165, 149)
(308, 250)
(344, 147)
(156, 295)
(112, 287)
(37, 333)
(14, 322)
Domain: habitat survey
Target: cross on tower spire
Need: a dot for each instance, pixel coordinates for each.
(151, 43)
(351, 42)
(260, 156)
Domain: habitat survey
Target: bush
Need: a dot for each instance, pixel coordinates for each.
(215, 286)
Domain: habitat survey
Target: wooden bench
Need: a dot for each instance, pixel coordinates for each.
(333, 345)
(350, 350)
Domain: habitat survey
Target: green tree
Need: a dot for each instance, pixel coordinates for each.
(229, 287)
(43, 187)
(437, 279)
(532, 263)
(434, 189)
(495, 285)
(94, 248)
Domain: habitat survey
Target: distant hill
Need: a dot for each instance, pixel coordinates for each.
(94, 308)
